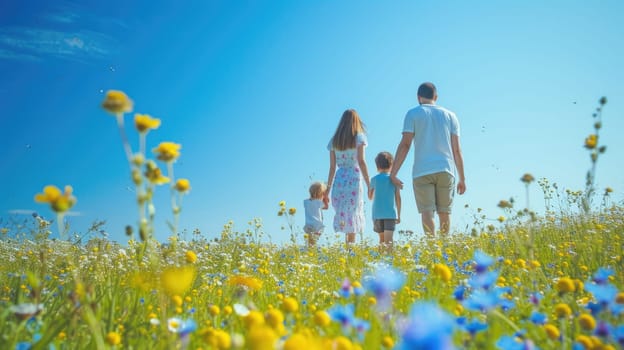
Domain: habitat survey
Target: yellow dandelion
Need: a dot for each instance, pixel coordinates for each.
(387, 342)
(274, 318)
(245, 281)
(227, 310)
(591, 141)
(342, 343)
(443, 272)
(145, 123)
(177, 300)
(586, 341)
(501, 218)
(177, 280)
(253, 319)
(214, 310)
(322, 318)
(552, 331)
(302, 341)
(587, 322)
(59, 201)
(290, 305)
(565, 285)
(117, 102)
(191, 257)
(292, 211)
(167, 151)
(216, 338)
(562, 310)
(183, 185)
(261, 338)
(113, 338)
(527, 178)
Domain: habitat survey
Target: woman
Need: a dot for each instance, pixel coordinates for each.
(346, 150)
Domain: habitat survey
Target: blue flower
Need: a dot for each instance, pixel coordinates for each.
(483, 300)
(603, 293)
(507, 342)
(537, 318)
(482, 261)
(428, 327)
(458, 293)
(602, 275)
(382, 283)
(483, 280)
(342, 314)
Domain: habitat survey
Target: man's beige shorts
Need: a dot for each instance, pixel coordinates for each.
(434, 192)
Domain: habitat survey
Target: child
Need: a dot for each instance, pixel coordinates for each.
(313, 212)
(386, 199)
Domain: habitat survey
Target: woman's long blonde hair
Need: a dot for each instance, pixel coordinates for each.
(350, 125)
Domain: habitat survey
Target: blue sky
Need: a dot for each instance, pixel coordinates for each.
(253, 91)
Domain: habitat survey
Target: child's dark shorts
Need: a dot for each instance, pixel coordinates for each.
(381, 225)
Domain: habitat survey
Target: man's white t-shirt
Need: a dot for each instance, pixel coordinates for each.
(432, 127)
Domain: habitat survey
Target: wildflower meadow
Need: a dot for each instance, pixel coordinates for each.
(553, 280)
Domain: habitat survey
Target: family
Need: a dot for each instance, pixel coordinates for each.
(438, 171)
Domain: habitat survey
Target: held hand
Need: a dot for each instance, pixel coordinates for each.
(395, 180)
(398, 220)
(461, 187)
(326, 199)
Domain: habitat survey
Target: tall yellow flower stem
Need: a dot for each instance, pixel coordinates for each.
(174, 205)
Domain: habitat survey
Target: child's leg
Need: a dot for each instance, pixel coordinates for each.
(387, 234)
(350, 238)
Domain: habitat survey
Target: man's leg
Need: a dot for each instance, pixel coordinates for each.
(445, 222)
(427, 222)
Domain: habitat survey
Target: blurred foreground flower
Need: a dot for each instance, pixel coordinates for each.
(59, 202)
(117, 102)
(245, 281)
(427, 327)
(26, 310)
(382, 283)
(177, 280)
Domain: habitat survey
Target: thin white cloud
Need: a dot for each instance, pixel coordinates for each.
(62, 17)
(81, 45)
(11, 55)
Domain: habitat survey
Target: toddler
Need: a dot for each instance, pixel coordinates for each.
(386, 199)
(313, 206)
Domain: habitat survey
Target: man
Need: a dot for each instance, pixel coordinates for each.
(437, 157)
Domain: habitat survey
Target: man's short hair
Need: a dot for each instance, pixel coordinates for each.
(383, 160)
(427, 90)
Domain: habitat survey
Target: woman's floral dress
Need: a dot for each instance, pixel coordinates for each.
(347, 196)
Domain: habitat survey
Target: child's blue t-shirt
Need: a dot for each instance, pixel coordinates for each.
(383, 200)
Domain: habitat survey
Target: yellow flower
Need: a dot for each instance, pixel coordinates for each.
(216, 338)
(322, 318)
(282, 203)
(145, 122)
(214, 310)
(167, 151)
(501, 218)
(59, 202)
(183, 185)
(113, 338)
(300, 341)
(586, 341)
(290, 305)
(565, 285)
(253, 319)
(591, 141)
(443, 272)
(587, 322)
(117, 102)
(527, 178)
(387, 342)
(177, 300)
(292, 211)
(154, 174)
(274, 318)
(552, 331)
(177, 280)
(191, 257)
(245, 281)
(562, 310)
(342, 343)
(261, 338)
